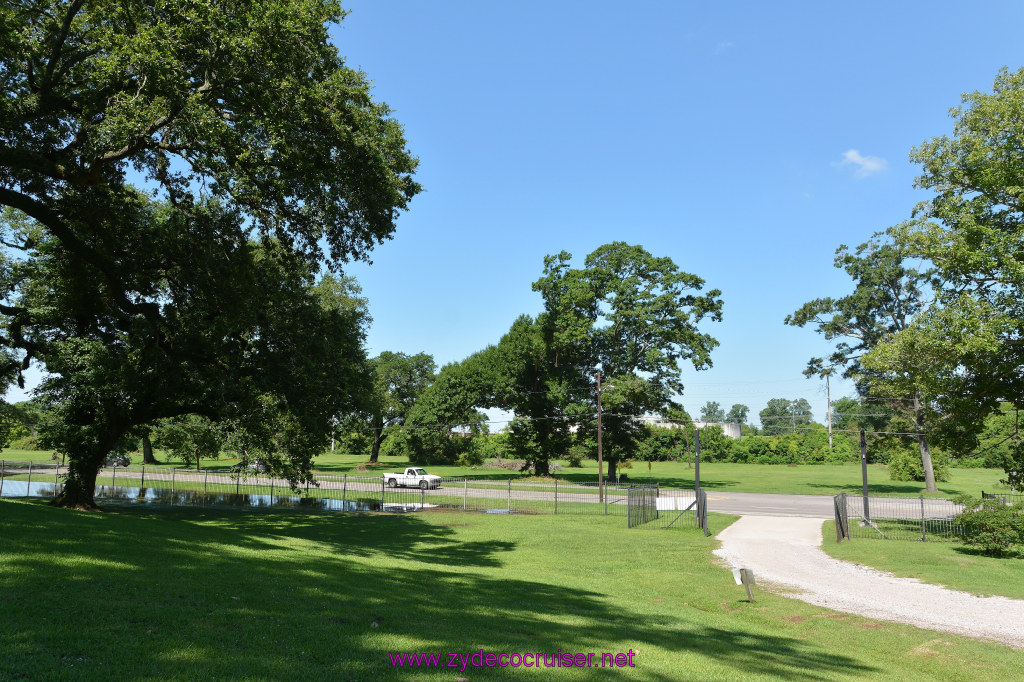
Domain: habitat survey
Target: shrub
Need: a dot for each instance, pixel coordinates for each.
(992, 525)
(472, 457)
(970, 463)
(25, 443)
(575, 456)
(905, 465)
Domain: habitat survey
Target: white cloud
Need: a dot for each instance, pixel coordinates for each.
(722, 47)
(866, 165)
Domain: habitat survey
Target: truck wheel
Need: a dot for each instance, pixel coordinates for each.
(423, 485)
(392, 483)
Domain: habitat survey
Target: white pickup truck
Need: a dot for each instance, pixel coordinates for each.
(413, 477)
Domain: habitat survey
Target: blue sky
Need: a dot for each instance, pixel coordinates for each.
(744, 140)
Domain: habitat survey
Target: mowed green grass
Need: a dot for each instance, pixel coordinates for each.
(804, 479)
(184, 594)
(957, 566)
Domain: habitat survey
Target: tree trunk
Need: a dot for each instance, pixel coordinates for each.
(80, 484)
(147, 450)
(611, 470)
(926, 453)
(378, 438)
(541, 467)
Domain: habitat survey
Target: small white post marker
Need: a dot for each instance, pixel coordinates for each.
(745, 577)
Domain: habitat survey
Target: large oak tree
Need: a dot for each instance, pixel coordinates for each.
(269, 160)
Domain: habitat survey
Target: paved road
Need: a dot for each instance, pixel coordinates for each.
(764, 504)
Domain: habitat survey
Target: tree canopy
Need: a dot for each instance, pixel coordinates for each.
(175, 176)
(966, 348)
(633, 317)
(398, 381)
(888, 295)
(712, 412)
(738, 414)
(782, 415)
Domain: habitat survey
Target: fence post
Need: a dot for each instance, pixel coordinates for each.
(143, 484)
(510, 495)
(382, 493)
(3, 474)
(29, 486)
(924, 538)
(556, 495)
(423, 497)
(238, 483)
(839, 520)
(56, 474)
(344, 491)
(465, 492)
(606, 499)
(271, 490)
(206, 477)
(173, 469)
(113, 481)
(704, 513)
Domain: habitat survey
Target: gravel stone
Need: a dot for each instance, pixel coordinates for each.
(786, 552)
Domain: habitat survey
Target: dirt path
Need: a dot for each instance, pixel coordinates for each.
(786, 551)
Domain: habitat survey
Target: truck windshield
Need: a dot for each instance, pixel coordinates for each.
(420, 472)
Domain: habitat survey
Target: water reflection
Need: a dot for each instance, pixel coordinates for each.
(26, 489)
(166, 496)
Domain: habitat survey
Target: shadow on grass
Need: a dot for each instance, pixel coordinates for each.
(197, 594)
(894, 488)
(978, 552)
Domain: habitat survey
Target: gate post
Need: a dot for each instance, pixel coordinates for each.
(924, 538)
(839, 520)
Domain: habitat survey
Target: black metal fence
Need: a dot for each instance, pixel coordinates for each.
(337, 492)
(921, 518)
(654, 507)
(1005, 498)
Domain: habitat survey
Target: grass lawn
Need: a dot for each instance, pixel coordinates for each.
(823, 479)
(941, 563)
(187, 594)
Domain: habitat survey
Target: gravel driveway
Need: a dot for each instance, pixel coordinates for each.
(786, 551)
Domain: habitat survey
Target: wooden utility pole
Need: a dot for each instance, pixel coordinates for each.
(600, 453)
(828, 396)
(696, 459)
(864, 474)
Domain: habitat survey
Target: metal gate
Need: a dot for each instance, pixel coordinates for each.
(650, 506)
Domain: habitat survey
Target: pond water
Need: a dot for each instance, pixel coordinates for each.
(166, 496)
